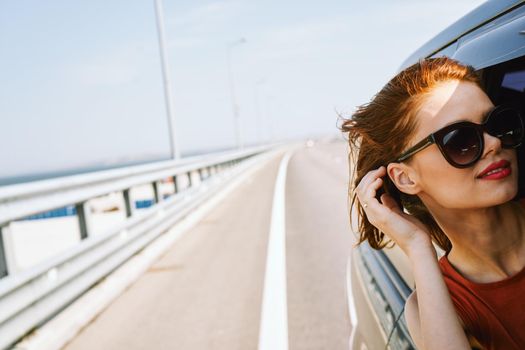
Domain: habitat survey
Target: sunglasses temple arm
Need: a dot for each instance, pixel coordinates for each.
(417, 147)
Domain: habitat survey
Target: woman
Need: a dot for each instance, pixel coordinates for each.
(435, 161)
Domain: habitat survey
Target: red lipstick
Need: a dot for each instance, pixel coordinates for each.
(496, 170)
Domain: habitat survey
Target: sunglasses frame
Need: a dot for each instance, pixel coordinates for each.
(437, 138)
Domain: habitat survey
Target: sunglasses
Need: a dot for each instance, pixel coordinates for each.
(462, 143)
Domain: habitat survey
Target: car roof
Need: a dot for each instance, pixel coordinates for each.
(474, 19)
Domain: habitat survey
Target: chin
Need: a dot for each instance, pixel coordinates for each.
(498, 191)
(504, 196)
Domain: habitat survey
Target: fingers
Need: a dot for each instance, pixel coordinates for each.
(368, 186)
(372, 175)
(390, 203)
(386, 215)
(371, 191)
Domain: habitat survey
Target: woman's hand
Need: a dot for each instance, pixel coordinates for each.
(404, 229)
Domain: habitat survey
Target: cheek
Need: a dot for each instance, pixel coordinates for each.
(500, 191)
(507, 189)
(451, 187)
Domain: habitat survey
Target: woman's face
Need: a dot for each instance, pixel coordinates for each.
(440, 182)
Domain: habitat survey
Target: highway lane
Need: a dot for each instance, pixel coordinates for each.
(318, 244)
(206, 291)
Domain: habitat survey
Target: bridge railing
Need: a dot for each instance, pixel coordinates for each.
(29, 297)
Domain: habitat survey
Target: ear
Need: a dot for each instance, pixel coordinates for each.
(403, 177)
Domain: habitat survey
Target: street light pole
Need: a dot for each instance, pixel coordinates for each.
(257, 109)
(235, 107)
(175, 153)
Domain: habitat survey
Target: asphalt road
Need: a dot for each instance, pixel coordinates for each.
(206, 291)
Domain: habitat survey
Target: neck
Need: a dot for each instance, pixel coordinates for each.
(487, 243)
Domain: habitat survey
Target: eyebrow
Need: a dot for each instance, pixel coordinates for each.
(487, 112)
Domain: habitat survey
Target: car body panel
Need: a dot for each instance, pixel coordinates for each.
(379, 294)
(506, 40)
(374, 337)
(400, 260)
(480, 16)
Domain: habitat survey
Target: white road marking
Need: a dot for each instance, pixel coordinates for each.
(273, 333)
(351, 302)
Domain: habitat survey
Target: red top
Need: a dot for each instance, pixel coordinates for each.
(494, 313)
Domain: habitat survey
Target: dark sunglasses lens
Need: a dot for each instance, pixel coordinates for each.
(462, 145)
(506, 125)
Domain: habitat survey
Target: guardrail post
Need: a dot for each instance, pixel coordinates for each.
(10, 264)
(189, 179)
(3, 258)
(83, 219)
(200, 174)
(127, 202)
(156, 191)
(175, 185)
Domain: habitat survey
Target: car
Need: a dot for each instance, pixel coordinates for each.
(491, 38)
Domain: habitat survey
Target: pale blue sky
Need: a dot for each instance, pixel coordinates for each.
(82, 84)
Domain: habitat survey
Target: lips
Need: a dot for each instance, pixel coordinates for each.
(495, 168)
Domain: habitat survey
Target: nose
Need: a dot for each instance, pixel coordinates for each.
(492, 144)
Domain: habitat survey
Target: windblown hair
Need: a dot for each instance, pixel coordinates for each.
(379, 130)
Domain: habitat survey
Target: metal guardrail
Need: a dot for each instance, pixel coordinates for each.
(29, 298)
